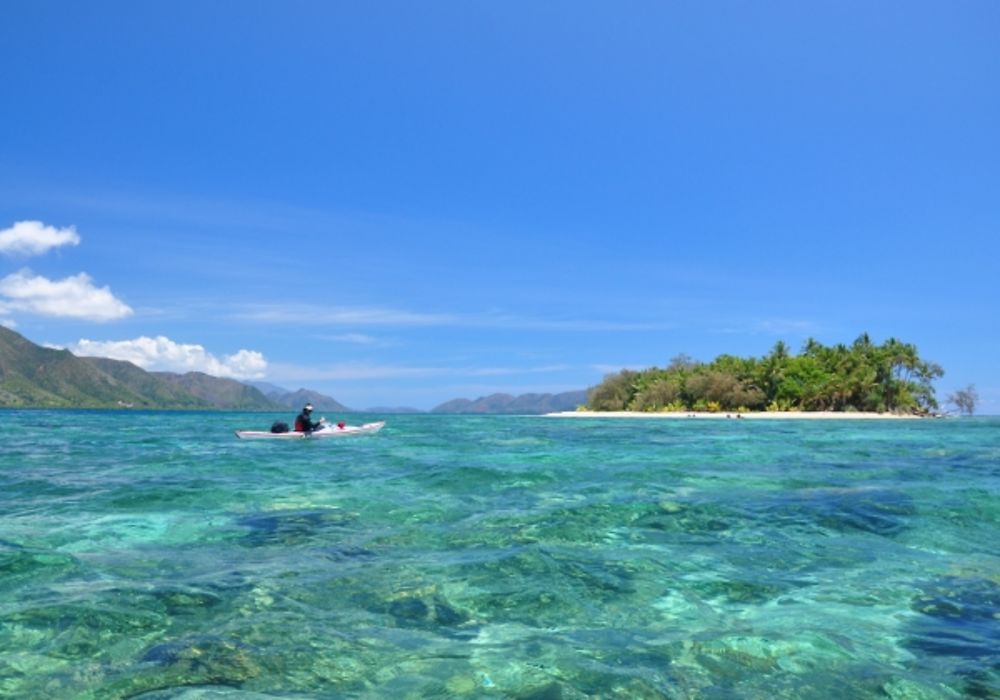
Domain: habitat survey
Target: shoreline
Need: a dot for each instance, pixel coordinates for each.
(754, 415)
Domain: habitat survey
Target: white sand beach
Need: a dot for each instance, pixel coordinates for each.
(732, 415)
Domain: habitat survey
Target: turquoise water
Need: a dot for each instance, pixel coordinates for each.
(153, 555)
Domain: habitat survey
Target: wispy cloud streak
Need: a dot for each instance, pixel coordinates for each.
(364, 371)
(374, 316)
(341, 316)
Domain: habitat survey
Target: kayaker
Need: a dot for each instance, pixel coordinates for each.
(304, 422)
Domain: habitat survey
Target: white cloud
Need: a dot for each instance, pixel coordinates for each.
(73, 297)
(8, 322)
(162, 353)
(35, 238)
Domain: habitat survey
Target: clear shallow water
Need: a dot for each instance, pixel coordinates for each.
(142, 556)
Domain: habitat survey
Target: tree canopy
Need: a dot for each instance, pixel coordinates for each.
(965, 400)
(863, 376)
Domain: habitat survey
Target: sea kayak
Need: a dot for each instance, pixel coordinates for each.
(328, 430)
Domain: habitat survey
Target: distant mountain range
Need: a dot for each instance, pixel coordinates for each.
(525, 404)
(36, 376)
(297, 399)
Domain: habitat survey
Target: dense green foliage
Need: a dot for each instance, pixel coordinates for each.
(864, 376)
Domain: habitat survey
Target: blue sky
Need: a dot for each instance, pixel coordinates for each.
(401, 203)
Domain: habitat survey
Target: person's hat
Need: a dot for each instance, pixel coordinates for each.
(308, 407)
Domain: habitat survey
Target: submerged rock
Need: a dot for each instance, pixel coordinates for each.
(550, 691)
(347, 553)
(961, 619)
(419, 608)
(19, 564)
(959, 625)
(172, 600)
(409, 610)
(291, 527)
(878, 511)
(742, 591)
(204, 660)
(677, 522)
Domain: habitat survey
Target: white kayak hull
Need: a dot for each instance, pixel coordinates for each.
(327, 431)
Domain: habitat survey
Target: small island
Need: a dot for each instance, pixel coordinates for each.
(863, 379)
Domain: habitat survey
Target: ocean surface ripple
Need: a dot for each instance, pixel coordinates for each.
(153, 555)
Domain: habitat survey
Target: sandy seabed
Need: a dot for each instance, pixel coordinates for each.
(756, 415)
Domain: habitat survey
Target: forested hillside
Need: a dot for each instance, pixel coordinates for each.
(36, 376)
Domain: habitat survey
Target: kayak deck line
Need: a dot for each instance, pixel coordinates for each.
(327, 431)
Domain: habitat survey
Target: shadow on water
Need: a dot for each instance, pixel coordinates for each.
(959, 625)
(431, 612)
(546, 585)
(878, 511)
(293, 527)
(198, 663)
(688, 522)
(20, 565)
